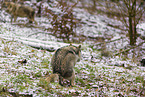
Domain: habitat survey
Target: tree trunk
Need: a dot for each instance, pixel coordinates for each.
(130, 30)
(135, 24)
(132, 23)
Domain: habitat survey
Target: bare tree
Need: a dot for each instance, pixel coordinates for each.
(131, 12)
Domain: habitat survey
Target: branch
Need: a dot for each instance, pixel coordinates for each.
(133, 5)
(140, 16)
(126, 3)
(126, 50)
(123, 17)
(139, 6)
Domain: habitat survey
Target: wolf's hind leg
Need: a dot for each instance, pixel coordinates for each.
(72, 80)
(61, 80)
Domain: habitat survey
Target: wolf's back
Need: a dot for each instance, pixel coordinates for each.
(58, 59)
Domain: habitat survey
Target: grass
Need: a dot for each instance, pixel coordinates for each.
(91, 78)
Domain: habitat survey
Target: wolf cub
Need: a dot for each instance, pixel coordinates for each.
(63, 62)
(17, 10)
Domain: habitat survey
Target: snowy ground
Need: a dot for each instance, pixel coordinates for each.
(95, 75)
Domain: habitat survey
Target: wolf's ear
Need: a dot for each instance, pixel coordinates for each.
(70, 44)
(79, 46)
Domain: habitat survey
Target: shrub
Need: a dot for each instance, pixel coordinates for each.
(64, 23)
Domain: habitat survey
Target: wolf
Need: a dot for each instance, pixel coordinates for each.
(63, 62)
(17, 10)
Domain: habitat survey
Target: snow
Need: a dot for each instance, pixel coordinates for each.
(97, 72)
(141, 28)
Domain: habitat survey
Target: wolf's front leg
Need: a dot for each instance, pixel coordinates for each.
(15, 18)
(36, 23)
(12, 19)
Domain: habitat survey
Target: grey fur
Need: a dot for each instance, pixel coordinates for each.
(17, 10)
(63, 62)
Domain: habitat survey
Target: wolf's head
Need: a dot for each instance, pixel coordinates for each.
(77, 51)
(5, 4)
